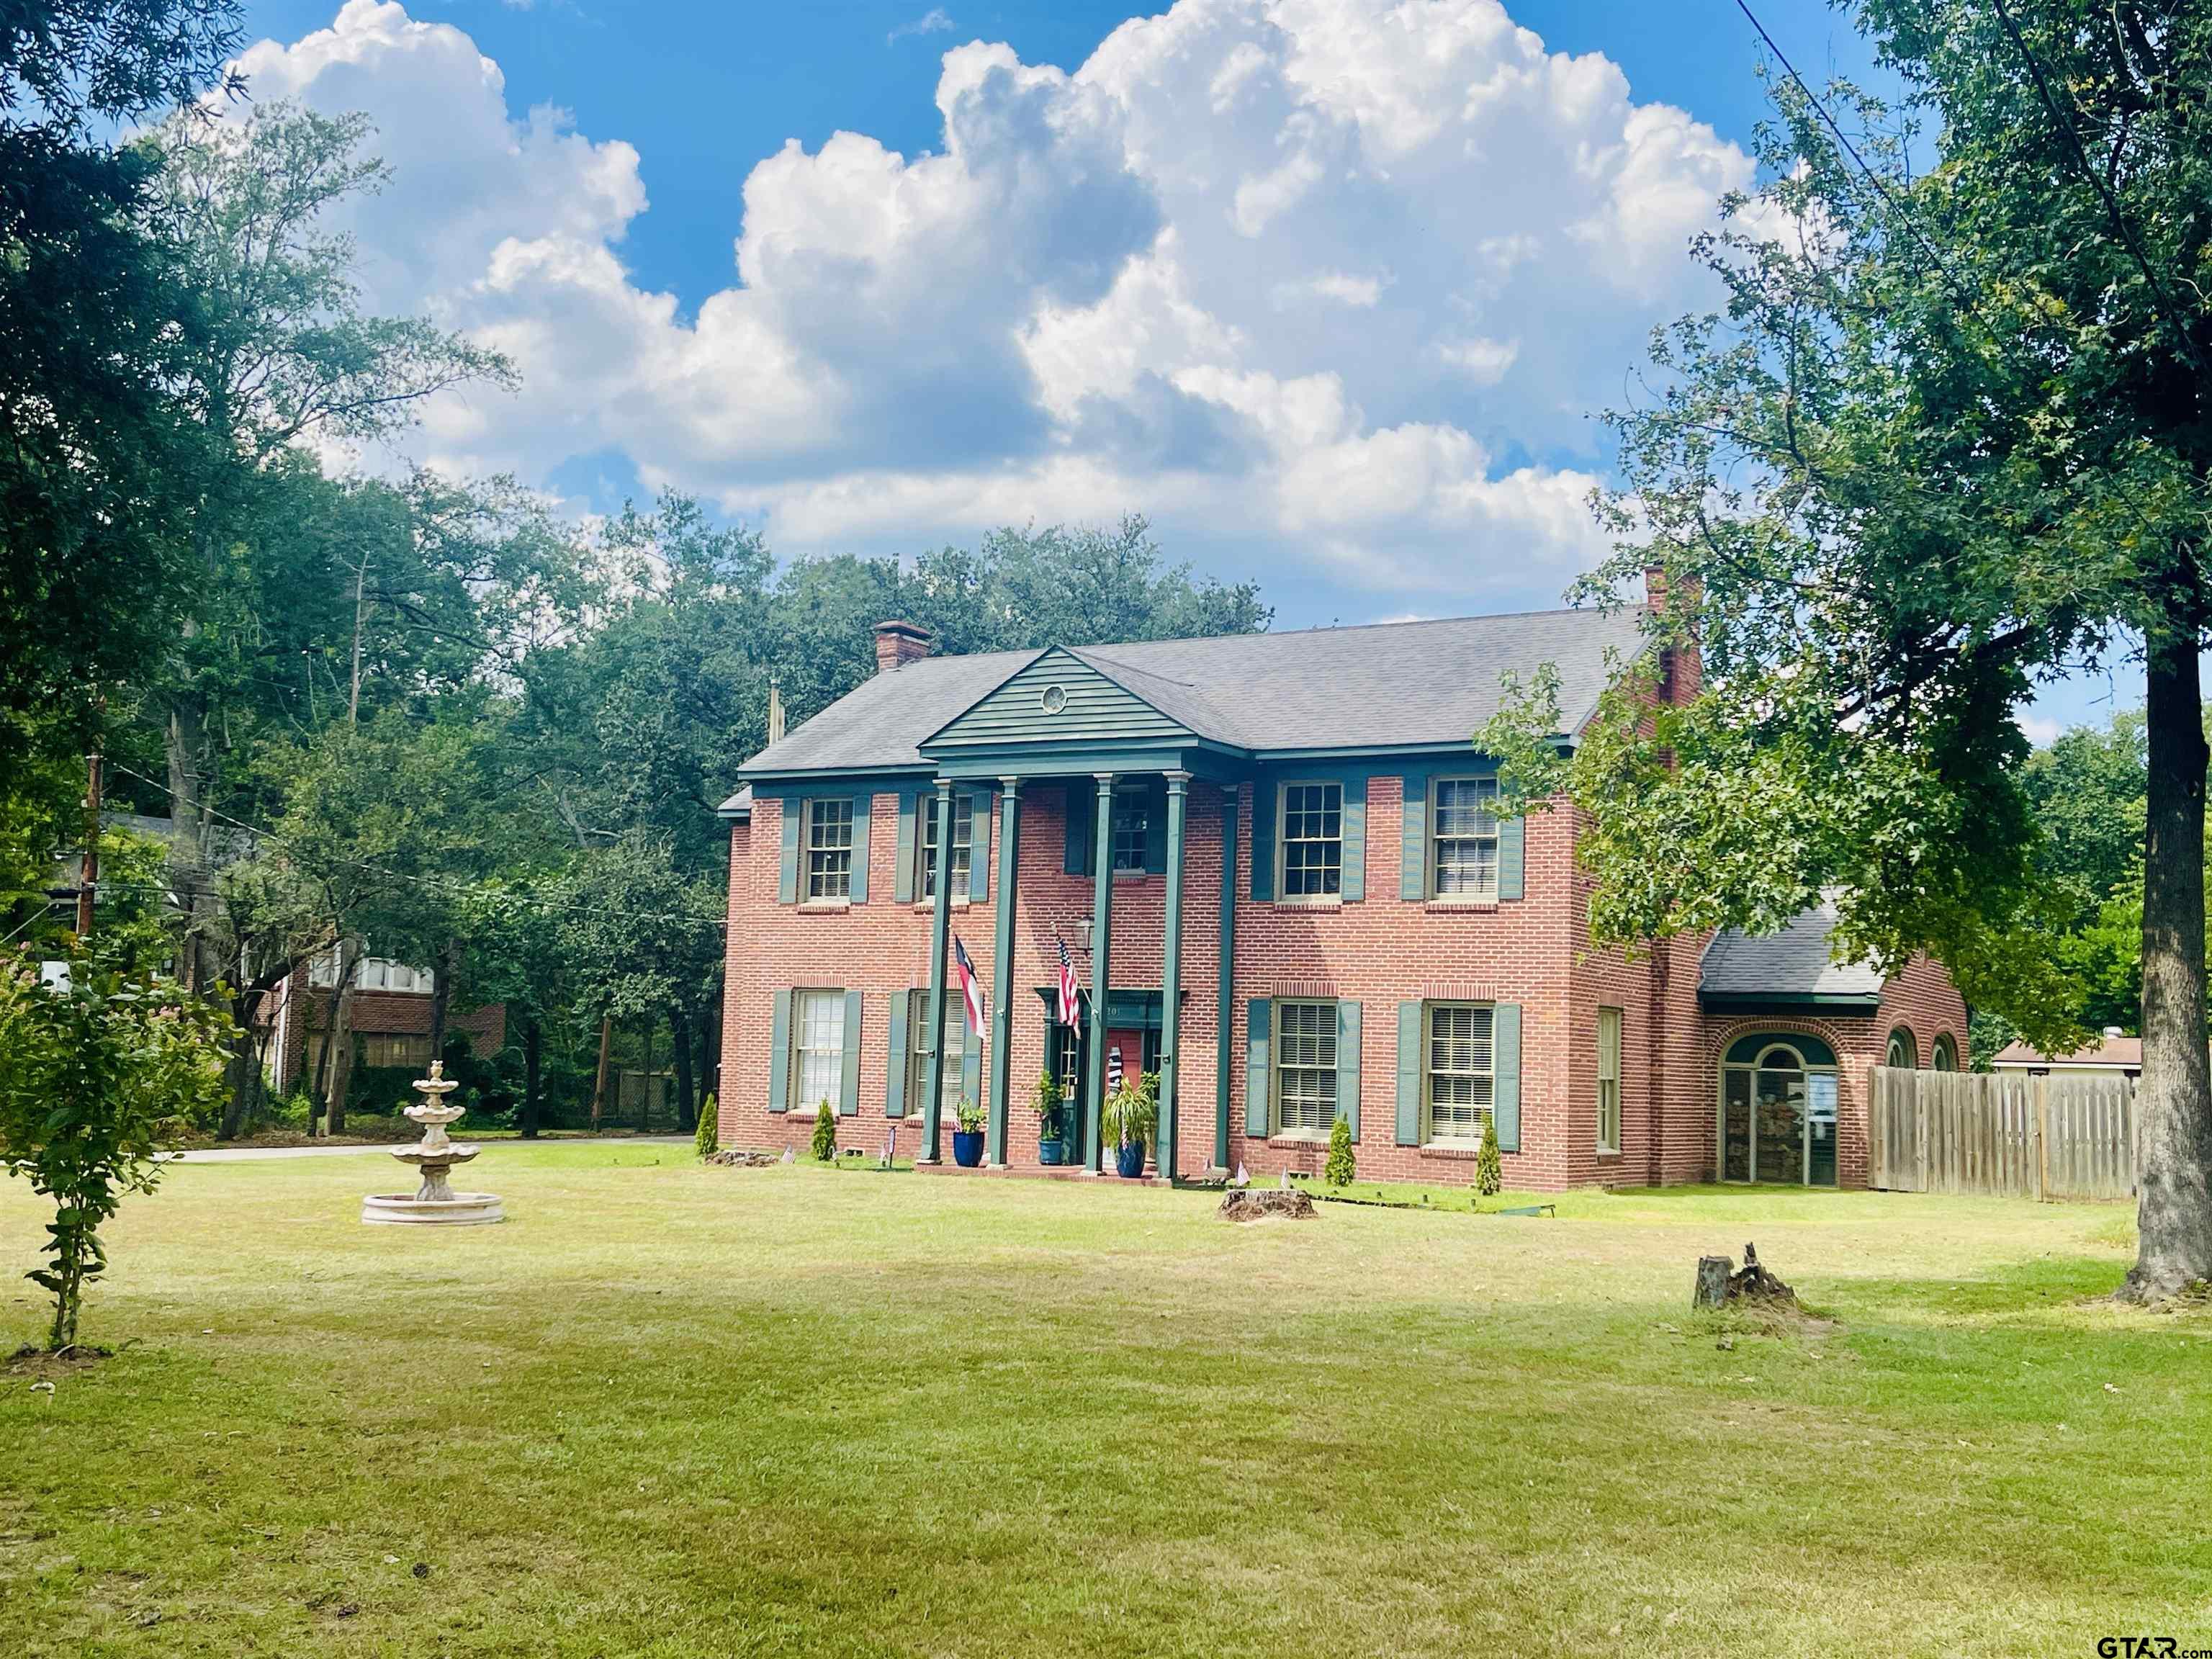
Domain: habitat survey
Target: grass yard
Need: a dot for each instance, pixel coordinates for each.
(668, 1410)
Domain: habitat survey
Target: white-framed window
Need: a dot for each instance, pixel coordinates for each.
(372, 974)
(817, 1047)
(1132, 829)
(963, 831)
(387, 1048)
(1463, 839)
(1459, 1077)
(1305, 1067)
(1608, 1079)
(951, 1043)
(829, 848)
(1312, 819)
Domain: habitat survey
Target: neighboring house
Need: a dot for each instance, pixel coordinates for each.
(391, 1019)
(2114, 1054)
(1362, 935)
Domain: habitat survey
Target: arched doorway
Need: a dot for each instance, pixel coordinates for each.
(1778, 1110)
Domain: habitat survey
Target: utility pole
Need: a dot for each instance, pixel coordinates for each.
(88, 866)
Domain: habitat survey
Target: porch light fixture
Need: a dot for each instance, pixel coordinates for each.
(1082, 928)
(1054, 699)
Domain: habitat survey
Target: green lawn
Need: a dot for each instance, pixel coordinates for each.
(668, 1410)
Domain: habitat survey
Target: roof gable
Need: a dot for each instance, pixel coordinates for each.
(1058, 698)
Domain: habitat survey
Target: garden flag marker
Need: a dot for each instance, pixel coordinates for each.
(971, 990)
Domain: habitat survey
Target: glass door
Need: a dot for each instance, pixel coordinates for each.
(1736, 1124)
(1778, 1136)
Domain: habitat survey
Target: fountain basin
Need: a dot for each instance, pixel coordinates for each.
(405, 1209)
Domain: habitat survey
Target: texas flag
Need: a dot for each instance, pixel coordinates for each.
(971, 988)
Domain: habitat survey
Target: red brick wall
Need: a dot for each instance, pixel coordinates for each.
(396, 1013)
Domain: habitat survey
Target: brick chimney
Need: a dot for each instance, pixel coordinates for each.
(898, 643)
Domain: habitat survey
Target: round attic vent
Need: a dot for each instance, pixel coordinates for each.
(1054, 699)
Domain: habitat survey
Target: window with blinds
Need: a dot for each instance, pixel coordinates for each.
(829, 849)
(817, 1047)
(964, 831)
(1608, 1079)
(1465, 839)
(950, 1046)
(1460, 1077)
(1305, 1067)
(1313, 839)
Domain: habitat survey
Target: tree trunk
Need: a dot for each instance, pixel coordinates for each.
(191, 866)
(687, 1104)
(241, 1070)
(2173, 1101)
(334, 1074)
(441, 997)
(600, 1087)
(533, 1075)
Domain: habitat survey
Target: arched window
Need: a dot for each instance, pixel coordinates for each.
(1904, 1052)
(1946, 1053)
(1778, 1110)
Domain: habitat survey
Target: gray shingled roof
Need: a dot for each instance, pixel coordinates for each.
(1797, 962)
(1380, 686)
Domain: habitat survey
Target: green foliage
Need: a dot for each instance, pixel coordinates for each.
(94, 1076)
(1050, 1102)
(708, 1140)
(1131, 1112)
(1340, 1167)
(968, 1116)
(1489, 1172)
(825, 1134)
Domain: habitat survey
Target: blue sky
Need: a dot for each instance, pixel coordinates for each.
(1329, 288)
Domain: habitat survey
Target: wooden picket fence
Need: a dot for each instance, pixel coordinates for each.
(2002, 1132)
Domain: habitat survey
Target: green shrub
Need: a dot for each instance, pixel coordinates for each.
(968, 1116)
(1488, 1175)
(1340, 1169)
(1049, 1107)
(826, 1134)
(709, 1139)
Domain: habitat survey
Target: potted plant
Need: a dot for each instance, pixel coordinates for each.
(968, 1134)
(1131, 1114)
(1052, 1120)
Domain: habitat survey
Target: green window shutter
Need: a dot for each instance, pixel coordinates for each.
(861, 806)
(1082, 807)
(1155, 827)
(786, 880)
(848, 1097)
(1258, 1088)
(1354, 887)
(979, 845)
(1505, 1090)
(779, 1055)
(1414, 843)
(896, 1058)
(1409, 1073)
(1347, 1065)
(971, 1064)
(1511, 833)
(903, 882)
(1263, 839)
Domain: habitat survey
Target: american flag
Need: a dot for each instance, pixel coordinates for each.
(971, 988)
(1068, 993)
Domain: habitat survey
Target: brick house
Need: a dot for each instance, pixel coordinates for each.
(1287, 838)
(390, 1019)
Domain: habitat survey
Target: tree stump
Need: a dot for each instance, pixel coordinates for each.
(1252, 1204)
(1721, 1282)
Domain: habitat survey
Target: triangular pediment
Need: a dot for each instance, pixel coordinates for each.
(1056, 699)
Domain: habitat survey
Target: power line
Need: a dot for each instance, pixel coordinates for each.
(439, 883)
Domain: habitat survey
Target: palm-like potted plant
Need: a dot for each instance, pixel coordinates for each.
(968, 1134)
(1131, 1114)
(1051, 1103)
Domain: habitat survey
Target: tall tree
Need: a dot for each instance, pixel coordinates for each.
(95, 445)
(1948, 440)
(281, 352)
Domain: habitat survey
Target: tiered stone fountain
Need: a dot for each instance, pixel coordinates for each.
(434, 1156)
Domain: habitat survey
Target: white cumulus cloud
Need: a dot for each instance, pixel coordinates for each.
(1326, 287)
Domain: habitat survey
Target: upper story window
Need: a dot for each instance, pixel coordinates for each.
(1464, 849)
(1132, 829)
(1305, 1067)
(829, 848)
(1461, 1071)
(372, 973)
(963, 827)
(1313, 839)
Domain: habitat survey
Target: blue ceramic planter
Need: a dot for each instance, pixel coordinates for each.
(1052, 1152)
(967, 1149)
(1130, 1160)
